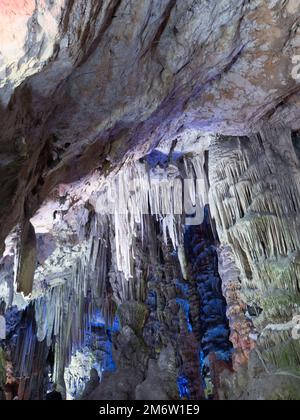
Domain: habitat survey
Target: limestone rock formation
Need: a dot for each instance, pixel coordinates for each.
(149, 204)
(257, 215)
(26, 259)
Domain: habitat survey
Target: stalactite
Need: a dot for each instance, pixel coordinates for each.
(139, 190)
(26, 259)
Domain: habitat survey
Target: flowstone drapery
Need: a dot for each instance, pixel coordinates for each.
(255, 201)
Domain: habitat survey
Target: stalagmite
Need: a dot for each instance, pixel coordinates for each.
(26, 259)
(241, 327)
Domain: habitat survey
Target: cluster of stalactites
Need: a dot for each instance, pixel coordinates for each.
(255, 200)
(111, 264)
(169, 193)
(65, 312)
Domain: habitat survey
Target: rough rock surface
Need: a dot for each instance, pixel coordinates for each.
(113, 78)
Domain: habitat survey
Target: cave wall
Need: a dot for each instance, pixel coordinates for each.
(89, 88)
